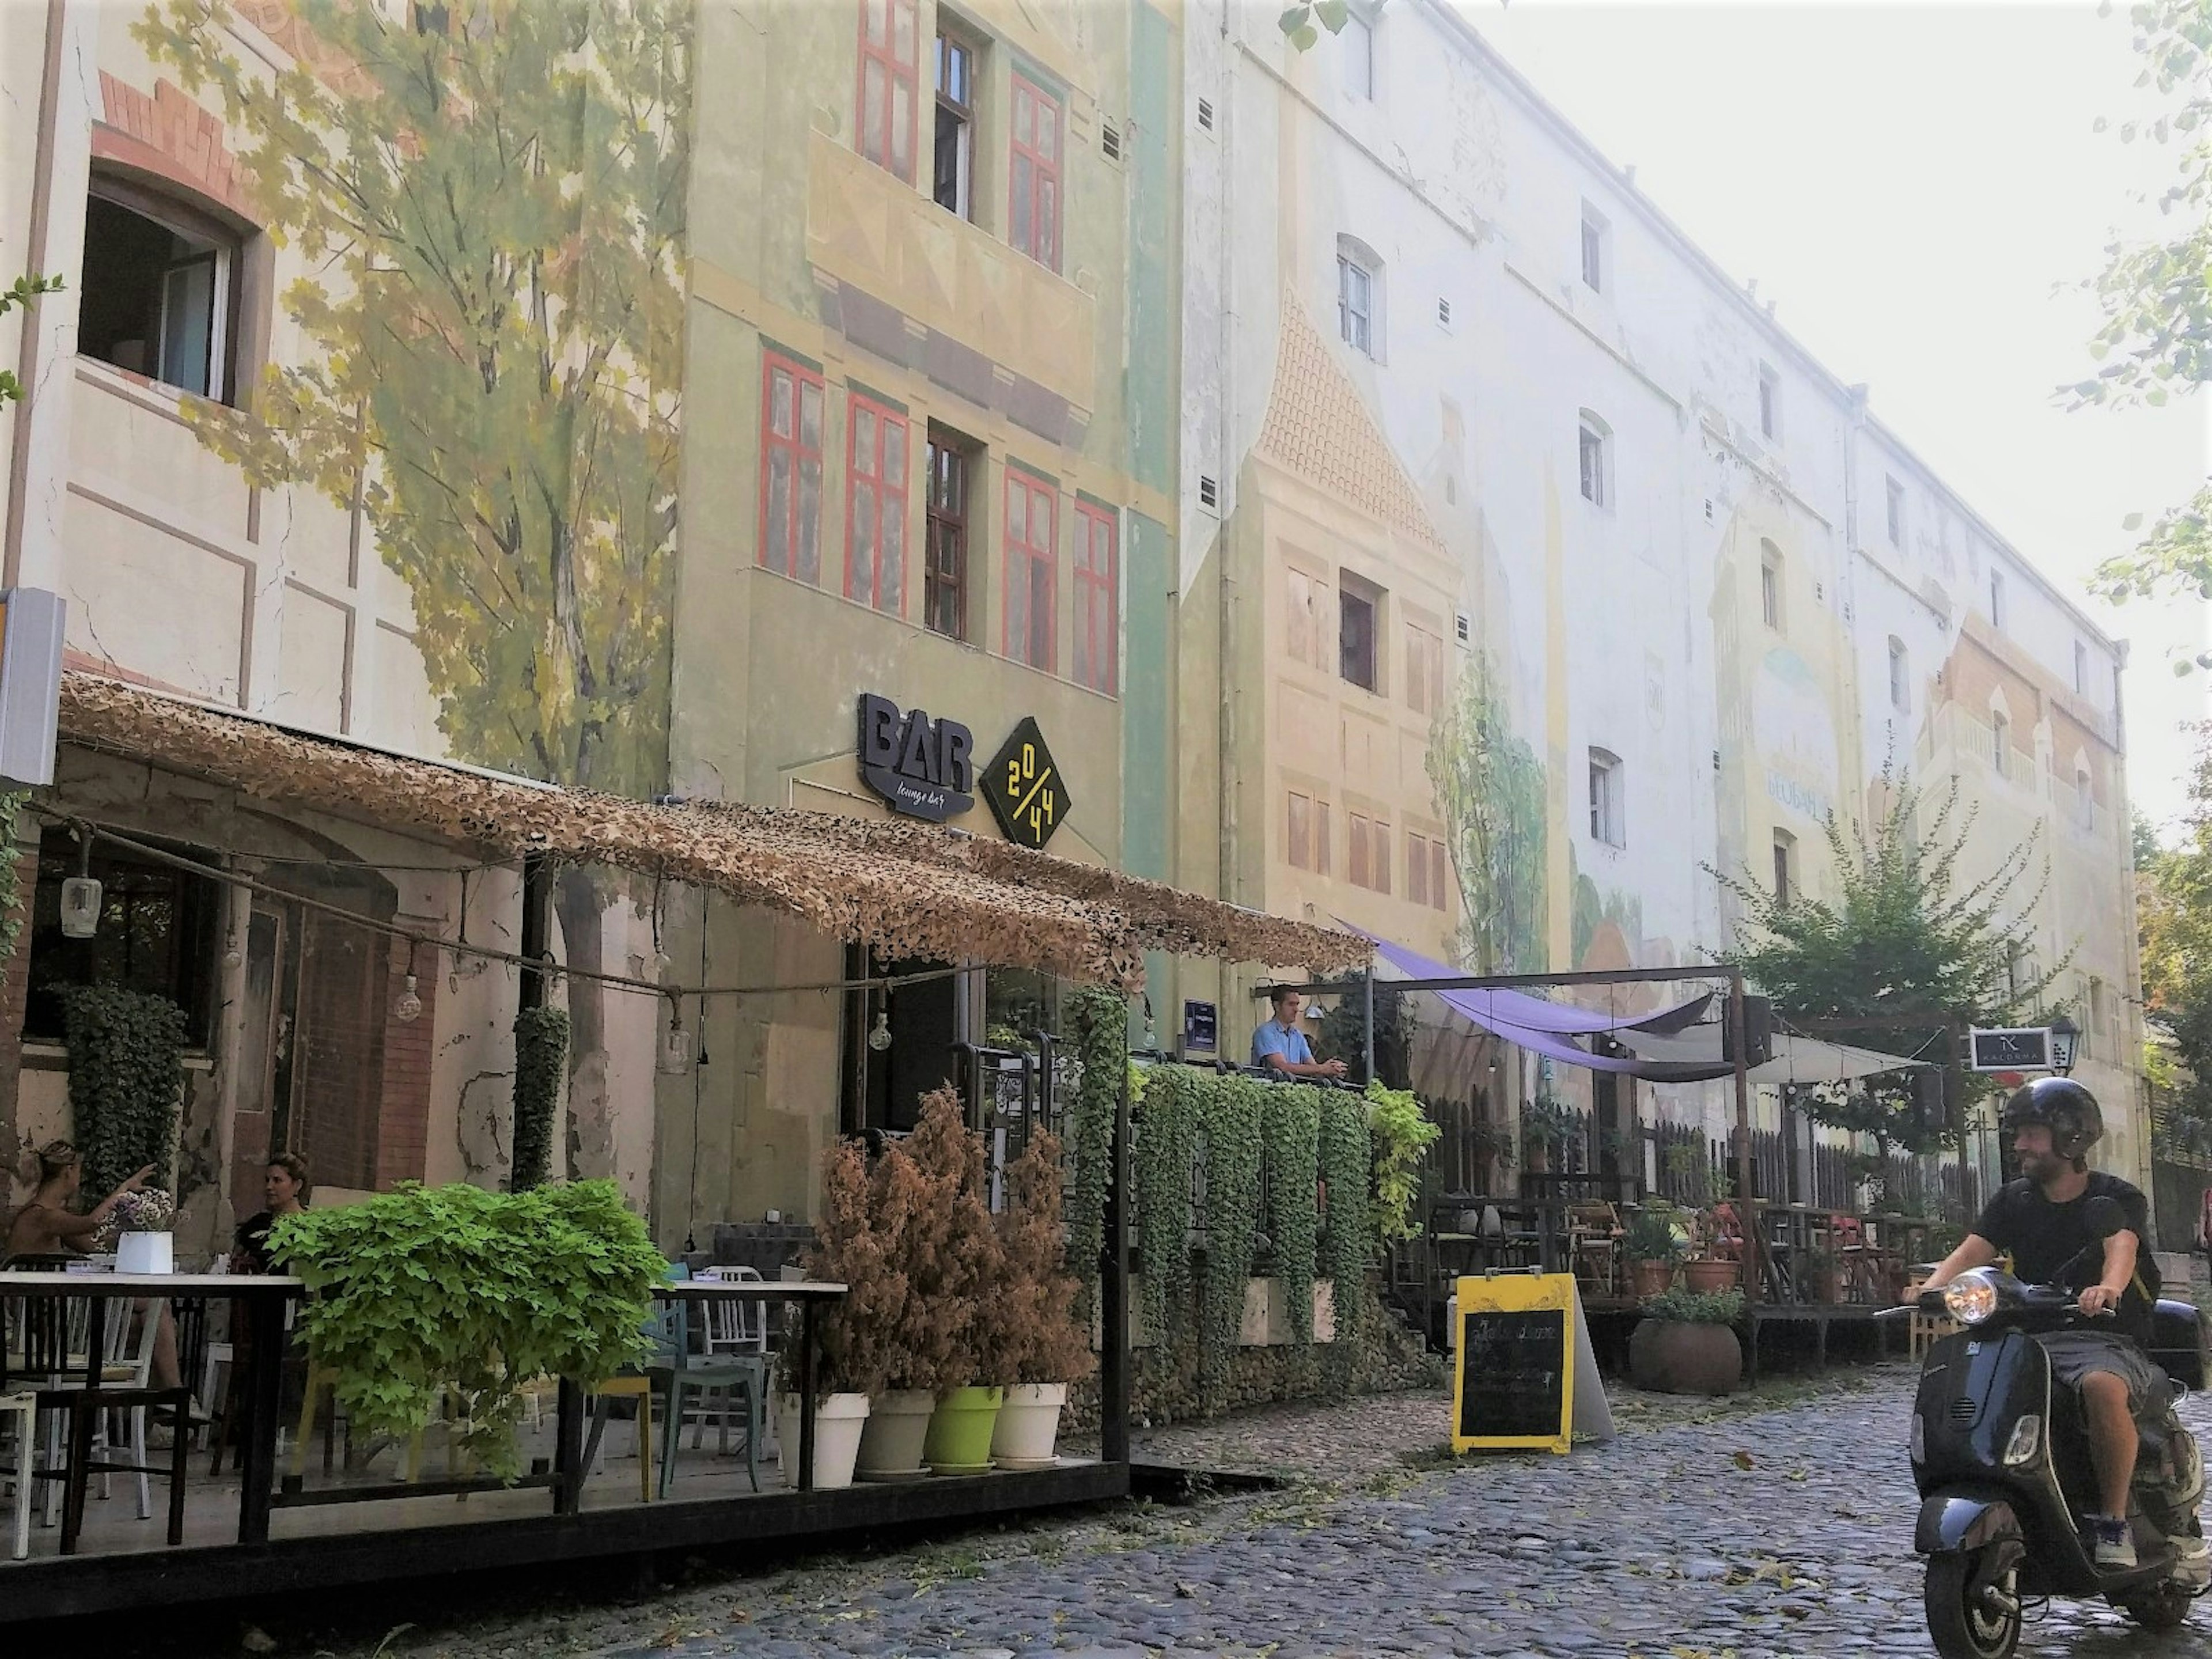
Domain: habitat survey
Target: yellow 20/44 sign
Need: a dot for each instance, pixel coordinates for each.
(1022, 784)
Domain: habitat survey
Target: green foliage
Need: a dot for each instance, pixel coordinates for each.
(476, 1292)
(1298, 22)
(1402, 1135)
(490, 208)
(126, 1079)
(20, 292)
(1346, 1239)
(540, 1051)
(1907, 934)
(1490, 788)
(1546, 1122)
(1291, 1127)
(1696, 1307)
(1343, 1035)
(1648, 1235)
(2173, 921)
(1167, 1140)
(12, 802)
(1102, 1047)
(1233, 1112)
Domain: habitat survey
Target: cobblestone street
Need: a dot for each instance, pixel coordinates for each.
(1758, 1530)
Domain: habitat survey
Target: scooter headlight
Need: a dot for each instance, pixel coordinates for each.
(1971, 1299)
(2026, 1441)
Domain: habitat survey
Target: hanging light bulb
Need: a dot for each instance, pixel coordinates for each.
(232, 956)
(81, 898)
(409, 1008)
(880, 1038)
(675, 1042)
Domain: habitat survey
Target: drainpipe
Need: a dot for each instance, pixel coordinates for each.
(1225, 645)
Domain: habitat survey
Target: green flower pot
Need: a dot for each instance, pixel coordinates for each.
(960, 1432)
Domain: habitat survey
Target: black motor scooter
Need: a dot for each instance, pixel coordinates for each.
(2001, 1461)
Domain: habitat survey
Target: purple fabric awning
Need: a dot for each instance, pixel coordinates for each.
(1550, 1028)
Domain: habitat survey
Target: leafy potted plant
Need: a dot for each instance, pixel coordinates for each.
(1717, 1261)
(1545, 1124)
(1685, 1343)
(1027, 1333)
(1653, 1247)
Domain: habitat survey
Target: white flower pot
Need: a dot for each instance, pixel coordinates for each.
(898, 1423)
(146, 1253)
(838, 1421)
(1029, 1426)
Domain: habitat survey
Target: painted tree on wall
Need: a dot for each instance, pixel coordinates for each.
(1490, 788)
(489, 196)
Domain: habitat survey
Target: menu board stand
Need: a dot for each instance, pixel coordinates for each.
(1525, 1375)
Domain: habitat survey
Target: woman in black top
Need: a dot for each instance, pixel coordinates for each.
(284, 1190)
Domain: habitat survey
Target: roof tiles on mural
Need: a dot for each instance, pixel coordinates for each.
(908, 888)
(1320, 427)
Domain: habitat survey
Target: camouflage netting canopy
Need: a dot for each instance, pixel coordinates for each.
(906, 889)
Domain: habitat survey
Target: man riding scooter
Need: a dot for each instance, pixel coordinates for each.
(2040, 1220)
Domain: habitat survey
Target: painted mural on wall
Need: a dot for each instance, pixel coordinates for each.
(488, 197)
(1489, 792)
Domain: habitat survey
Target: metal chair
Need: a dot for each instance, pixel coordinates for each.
(24, 1409)
(729, 1373)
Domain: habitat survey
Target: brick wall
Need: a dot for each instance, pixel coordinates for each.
(404, 1118)
(168, 135)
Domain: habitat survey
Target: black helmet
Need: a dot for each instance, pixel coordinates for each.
(2063, 1106)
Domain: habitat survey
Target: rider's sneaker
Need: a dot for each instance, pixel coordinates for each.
(2115, 1544)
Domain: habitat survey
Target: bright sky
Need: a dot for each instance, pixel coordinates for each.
(1920, 187)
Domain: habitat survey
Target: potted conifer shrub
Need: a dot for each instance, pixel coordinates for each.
(855, 1331)
(1028, 1334)
(953, 1263)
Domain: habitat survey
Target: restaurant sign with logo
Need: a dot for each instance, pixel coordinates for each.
(925, 769)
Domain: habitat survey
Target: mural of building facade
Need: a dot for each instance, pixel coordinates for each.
(451, 379)
(1478, 400)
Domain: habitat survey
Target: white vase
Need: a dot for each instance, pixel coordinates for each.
(838, 1421)
(146, 1253)
(898, 1425)
(1029, 1426)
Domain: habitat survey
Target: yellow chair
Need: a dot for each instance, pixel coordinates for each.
(639, 1388)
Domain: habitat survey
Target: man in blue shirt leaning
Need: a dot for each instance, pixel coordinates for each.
(1280, 1044)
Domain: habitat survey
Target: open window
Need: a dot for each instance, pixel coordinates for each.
(156, 934)
(1359, 297)
(160, 295)
(1360, 612)
(898, 1040)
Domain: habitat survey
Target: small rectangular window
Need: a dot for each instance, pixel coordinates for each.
(791, 469)
(1424, 671)
(1355, 633)
(1098, 599)
(1770, 404)
(1355, 304)
(1417, 867)
(1785, 872)
(1607, 817)
(158, 295)
(1893, 493)
(888, 73)
(2081, 669)
(1362, 859)
(1298, 832)
(1592, 459)
(953, 164)
(2001, 744)
(1032, 592)
(1996, 598)
(1595, 248)
(1355, 47)
(1900, 677)
(944, 577)
(1769, 585)
(1033, 219)
(875, 505)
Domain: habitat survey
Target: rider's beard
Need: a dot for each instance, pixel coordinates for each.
(2042, 1168)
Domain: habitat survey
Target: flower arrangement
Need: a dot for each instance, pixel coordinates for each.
(149, 1210)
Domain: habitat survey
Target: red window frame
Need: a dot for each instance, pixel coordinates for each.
(1098, 599)
(1034, 152)
(802, 554)
(1032, 563)
(878, 471)
(897, 71)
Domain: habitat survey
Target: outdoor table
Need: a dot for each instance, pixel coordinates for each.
(265, 1295)
(809, 1293)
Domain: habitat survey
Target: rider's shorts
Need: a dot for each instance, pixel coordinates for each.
(2075, 1354)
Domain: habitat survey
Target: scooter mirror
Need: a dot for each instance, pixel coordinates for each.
(2105, 1216)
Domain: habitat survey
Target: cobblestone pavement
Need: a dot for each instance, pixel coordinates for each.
(1754, 1531)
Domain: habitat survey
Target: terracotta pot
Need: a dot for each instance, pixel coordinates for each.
(1667, 1356)
(1651, 1278)
(1704, 1277)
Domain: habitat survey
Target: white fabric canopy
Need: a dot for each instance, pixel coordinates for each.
(1796, 1059)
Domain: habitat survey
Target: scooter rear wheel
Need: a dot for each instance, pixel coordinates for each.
(1962, 1622)
(2162, 1609)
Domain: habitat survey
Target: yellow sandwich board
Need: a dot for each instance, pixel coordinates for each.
(1521, 1358)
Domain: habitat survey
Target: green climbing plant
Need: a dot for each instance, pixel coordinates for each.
(1102, 1047)
(1234, 1110)
(541, 1055)
(1402, 1135)
(1347, 1243)
(453, 1287)
(126, 1078)
(20, 292)
(12, 802)
(1167, 1140)
(1291, 1130)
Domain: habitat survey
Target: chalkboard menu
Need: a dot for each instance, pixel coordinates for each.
(1514, 1382)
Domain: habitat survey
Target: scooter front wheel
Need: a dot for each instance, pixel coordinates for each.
(1967, 1623)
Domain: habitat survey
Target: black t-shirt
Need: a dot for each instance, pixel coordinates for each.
(2042, 1236)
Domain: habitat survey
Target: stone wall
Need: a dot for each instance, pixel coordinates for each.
(1166, 1387)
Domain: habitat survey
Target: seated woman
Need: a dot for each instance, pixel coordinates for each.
(284, 1190)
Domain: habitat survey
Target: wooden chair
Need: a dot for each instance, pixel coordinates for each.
(1594, 1235)
(664, 1331)
(23, 1408)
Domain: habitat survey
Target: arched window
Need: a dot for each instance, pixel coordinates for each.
(159, 291)
(1596, 460)
(1359, 296)
(1770, 585)
(1609, 807)
(2001, 743)
(2085, 792)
